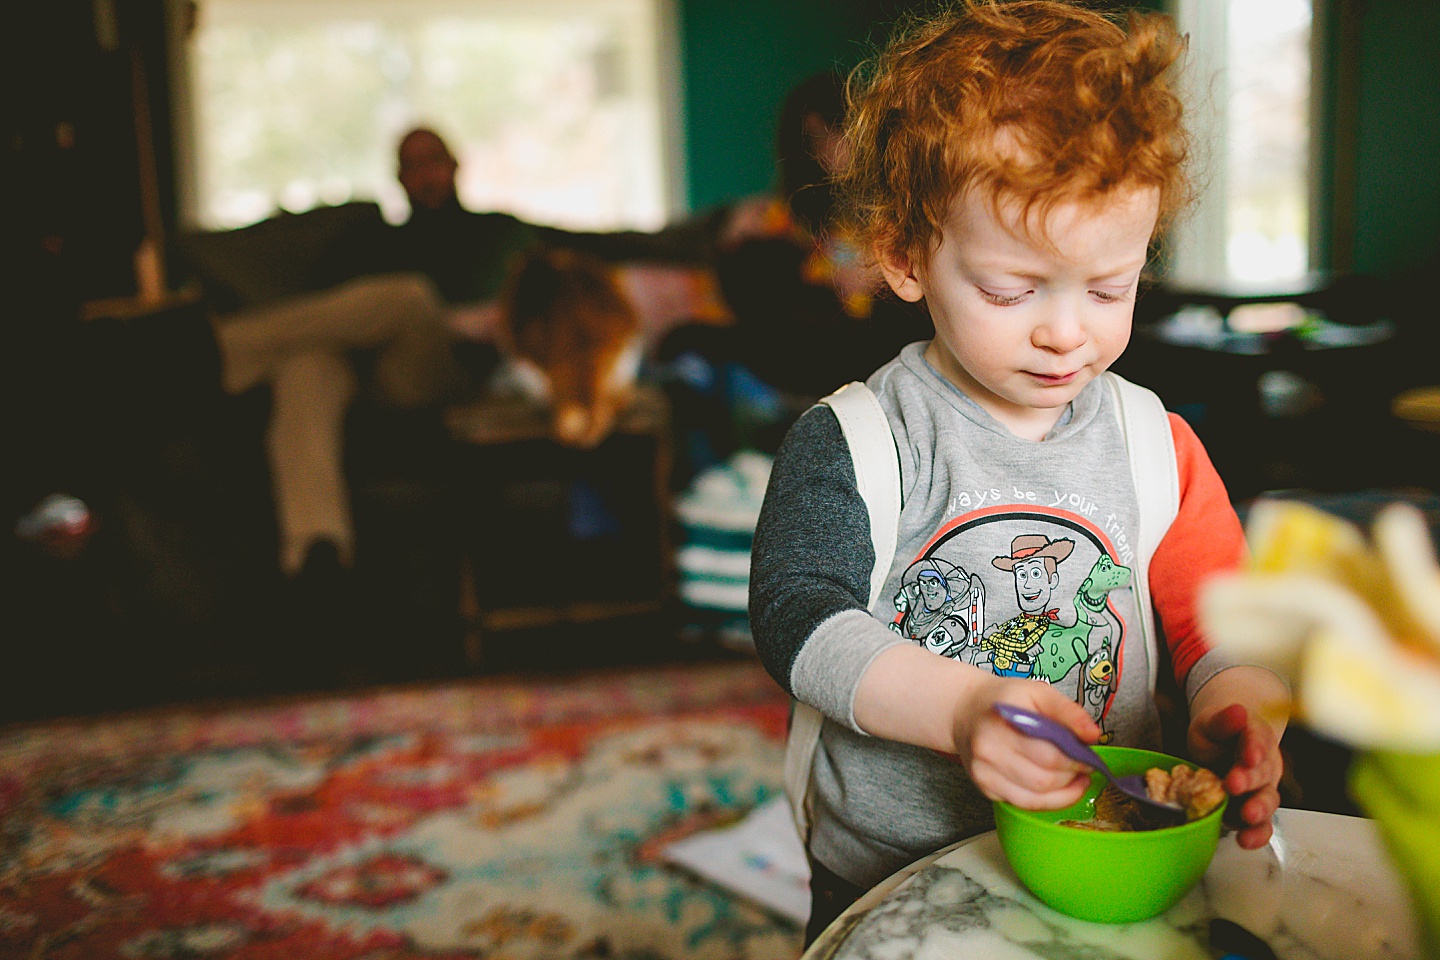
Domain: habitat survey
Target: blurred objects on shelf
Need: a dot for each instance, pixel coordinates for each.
(717, 515)
(1252, 329)
(60, 524)
(1419, 407)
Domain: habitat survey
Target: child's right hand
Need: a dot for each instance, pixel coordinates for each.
(1008, 765)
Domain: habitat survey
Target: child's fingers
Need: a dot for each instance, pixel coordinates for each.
(1253, 780)
(1260, 806)
(1257, 764)
(1026, 771)
(1222, 726)
(1253, 838)
(1048, 799)
(1018, 752)
(1040, 767)
(1252, 749)
(1253, 809)
(1046, 700)
(1028, 795)
(1003, 755)
(1023, 759)
(1253, 818)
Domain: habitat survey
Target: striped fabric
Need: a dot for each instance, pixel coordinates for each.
(717, 515)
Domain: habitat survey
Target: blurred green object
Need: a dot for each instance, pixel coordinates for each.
(1107, 877)
(1401, 793)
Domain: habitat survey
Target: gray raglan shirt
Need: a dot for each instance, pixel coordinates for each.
(1013, 556)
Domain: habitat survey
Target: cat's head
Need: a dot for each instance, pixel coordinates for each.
(572, 340)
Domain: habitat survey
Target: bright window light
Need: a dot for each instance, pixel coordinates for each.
(553, 107)
(1249, 83)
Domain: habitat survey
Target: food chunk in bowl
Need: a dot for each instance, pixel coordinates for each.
(1195, 792)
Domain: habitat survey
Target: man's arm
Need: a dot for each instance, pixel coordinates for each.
(688, 241)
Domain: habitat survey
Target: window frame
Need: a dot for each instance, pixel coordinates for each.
(1199, 239)
(180, 22)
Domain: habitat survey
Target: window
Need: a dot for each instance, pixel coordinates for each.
(1249, 84)
(555, 108)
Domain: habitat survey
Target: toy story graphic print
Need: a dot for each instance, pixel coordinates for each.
(1022, 594)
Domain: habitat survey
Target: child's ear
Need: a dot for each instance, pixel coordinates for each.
(899, 271)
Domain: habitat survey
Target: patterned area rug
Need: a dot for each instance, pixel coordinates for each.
(495, 820)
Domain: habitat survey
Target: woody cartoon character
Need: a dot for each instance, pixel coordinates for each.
(1034, 562)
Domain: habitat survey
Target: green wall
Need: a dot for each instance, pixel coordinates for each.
(740, 58)
(1397, 175)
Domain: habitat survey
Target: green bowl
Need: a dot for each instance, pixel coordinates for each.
(1107, 877)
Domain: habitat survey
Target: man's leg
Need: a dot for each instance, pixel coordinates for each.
(416, 362)
(369, 312)
(312, 392)
(300, 346)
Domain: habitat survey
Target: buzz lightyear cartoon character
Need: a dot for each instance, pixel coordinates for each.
(941, 606)
(1034, 562)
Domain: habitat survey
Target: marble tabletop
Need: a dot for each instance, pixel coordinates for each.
(1322, 890)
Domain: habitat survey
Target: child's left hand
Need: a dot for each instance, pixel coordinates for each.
(1233, 737)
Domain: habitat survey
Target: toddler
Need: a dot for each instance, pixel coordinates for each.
(1009, 165)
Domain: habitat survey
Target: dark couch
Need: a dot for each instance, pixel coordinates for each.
(194, 515)
(188, 542)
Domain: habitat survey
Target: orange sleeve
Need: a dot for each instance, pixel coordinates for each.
(1205, 539)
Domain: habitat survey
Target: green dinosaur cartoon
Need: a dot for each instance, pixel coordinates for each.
(1061, 648)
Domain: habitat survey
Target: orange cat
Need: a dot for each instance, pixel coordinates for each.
(572, 341)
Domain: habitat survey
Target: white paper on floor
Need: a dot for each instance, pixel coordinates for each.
(760, 858)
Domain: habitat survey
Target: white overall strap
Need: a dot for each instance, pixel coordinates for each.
(877, 478)
(1151, 448)
(877, 471)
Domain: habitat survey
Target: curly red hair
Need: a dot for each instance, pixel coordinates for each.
(1034, 102)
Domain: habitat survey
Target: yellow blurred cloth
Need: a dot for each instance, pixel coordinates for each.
(1419, 407)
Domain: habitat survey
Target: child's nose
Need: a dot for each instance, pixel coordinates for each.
(1061, 330)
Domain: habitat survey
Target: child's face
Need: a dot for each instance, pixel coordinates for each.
(1022, 326)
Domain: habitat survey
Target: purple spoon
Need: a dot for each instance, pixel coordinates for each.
(1043, 728)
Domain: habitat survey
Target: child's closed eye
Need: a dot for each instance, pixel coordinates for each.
(1003, 299)
(1113, 296)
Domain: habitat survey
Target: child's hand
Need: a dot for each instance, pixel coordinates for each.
(1008, 765)
(1232, 737)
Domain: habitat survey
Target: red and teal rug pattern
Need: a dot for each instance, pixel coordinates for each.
(515, 820)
